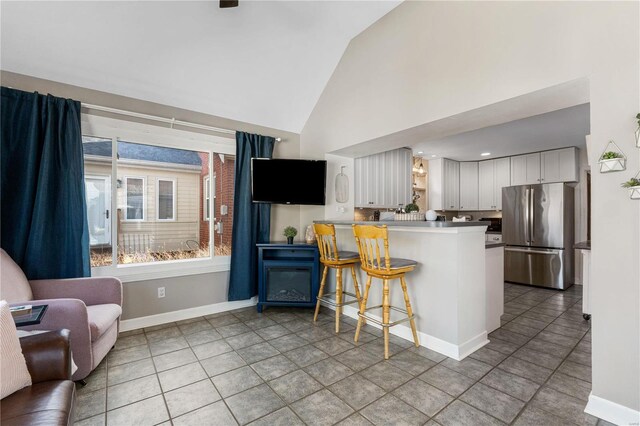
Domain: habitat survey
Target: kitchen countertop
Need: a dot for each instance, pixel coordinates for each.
(582, 245)
(417, 224)
(493, 244)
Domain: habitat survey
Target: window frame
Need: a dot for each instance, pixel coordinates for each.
(117, 129)
(107, 193)
(206, 183)
(174, 194)
(125, 180)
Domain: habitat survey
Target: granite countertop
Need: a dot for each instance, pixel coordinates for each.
(493, 244)
(582, 245)
(417, 224)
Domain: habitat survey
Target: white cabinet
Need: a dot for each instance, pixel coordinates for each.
(383, 180)
(493, 175)
(469, 185)
(397, 177)
(493, 238)
(444, 184)
(525, 169)
(559, 165)
(494, 281)
(486, 185)
(502, 173)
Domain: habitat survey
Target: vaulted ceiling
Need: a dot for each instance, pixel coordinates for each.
(265, 62)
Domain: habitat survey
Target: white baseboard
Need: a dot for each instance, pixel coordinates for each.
(457, 352)
(183, 314)
(611, 411)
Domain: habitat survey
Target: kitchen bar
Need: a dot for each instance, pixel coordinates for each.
(448, 288)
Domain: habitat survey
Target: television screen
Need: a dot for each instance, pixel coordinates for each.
(284, 181)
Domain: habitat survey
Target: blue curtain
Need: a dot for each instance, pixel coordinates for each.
(251, 221)
(44, 222)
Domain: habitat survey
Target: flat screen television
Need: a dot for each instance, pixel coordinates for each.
(288, 181)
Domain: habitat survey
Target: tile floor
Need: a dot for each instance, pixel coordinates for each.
(278, 368)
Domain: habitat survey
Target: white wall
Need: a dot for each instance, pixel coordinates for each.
(188, 291)
(425, 61)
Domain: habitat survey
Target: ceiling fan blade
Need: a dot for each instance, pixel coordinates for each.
(228, 3)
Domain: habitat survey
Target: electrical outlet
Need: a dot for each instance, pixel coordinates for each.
(161, 292)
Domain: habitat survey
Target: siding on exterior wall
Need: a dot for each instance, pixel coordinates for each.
(150, 233)
(204, 224)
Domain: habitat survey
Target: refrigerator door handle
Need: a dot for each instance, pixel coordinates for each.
(532, 215)
(527, 217)
(524, 250)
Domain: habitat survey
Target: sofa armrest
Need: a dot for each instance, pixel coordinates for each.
(48, 355)
(92, 291)
(72, 315)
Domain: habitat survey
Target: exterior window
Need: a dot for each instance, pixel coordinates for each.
(154, 200)
(97, 189)
(166, 199)
(207, 198)
(135, 195)
(223, 193)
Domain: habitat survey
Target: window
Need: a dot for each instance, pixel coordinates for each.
(97, 189)
(151, 200)
(166, 199)
(207, 198)
(135, 198)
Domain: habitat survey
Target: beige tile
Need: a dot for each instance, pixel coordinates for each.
(214, 414)
(132, 391)
(191, 397)
(181, 376)
(130, 371)
(146, 412)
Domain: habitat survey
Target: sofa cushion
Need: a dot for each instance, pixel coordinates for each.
(15, 286)
(101, 317)
(45, 403)
(13, 367)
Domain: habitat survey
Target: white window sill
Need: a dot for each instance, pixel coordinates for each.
(166, 269)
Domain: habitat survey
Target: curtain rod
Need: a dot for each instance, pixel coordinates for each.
(171, 121)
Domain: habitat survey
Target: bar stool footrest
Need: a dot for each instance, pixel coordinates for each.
(331, 301)
(391, 324)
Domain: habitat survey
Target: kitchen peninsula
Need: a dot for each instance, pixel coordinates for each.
(448, 288)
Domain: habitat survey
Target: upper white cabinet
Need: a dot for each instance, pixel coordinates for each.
(469, 185)
(493, 175)
(444, 184)
(525, 169)
(383, 180)
(559, 165)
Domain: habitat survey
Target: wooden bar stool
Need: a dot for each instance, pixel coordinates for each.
(330, 257)
(386, 268)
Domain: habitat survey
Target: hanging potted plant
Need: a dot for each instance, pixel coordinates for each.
(633, 185)
(612, 159)
(290, 232)
(638, 131)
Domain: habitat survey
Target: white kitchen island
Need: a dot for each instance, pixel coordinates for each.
(448, 287)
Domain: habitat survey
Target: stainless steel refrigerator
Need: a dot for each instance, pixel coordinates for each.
(537, 228)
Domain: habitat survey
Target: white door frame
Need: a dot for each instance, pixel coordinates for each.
(107, 203)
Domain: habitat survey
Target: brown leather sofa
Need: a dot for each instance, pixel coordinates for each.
(50, 399)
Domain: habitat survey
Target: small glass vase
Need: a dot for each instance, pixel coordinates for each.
(638, 137)
(289, 240)
(309, 235)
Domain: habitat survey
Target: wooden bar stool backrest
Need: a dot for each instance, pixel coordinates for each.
(327, 246)
(368, 239)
